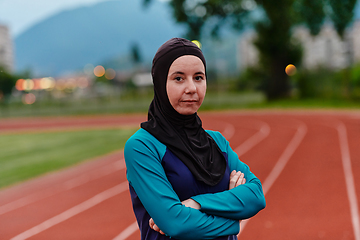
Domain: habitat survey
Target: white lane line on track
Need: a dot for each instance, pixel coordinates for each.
(349, 178)
(127, 232)
(281, 163)
(73, 211)
(229, 131)
(65, 186)
(254, 139)
(285, 157)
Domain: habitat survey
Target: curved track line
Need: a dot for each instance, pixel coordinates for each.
(127, 232)
(285, 157)
(349, 178)
(263, 132)
(281, 163)
(65, 186)
(73, 211)
(229, 131)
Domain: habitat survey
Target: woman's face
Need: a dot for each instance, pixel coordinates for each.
(186, 84)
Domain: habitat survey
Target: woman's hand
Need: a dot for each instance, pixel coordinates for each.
(154, 227)
(191, 203)
(236, 179)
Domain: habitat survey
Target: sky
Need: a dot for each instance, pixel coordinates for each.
(19, 15)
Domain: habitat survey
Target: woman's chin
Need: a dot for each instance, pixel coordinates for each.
(187, 111)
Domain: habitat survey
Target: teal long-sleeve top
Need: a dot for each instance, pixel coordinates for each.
(159, 181)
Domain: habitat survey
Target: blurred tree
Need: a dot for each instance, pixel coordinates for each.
(274, 30)
(341, 13)
(7, 83)
(135, 53)
(276, 47)
(313, 14)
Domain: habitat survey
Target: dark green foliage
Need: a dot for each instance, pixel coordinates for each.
(324, 83)
(276, 47)
(320, 83)
(355, 82)
(341, 14)
(195, 13)
(7, 83)
(251, 79)
(313, 14)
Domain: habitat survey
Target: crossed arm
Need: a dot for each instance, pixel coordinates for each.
(237, 178)
(219, 213)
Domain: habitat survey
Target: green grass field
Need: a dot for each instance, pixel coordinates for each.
(140, 103)
(25, 156)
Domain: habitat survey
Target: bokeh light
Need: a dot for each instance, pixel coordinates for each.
(248, 5)
(28, 85)
(47, 83)
(99, 71)
(19, 85)
(290, 70)
(200, 11)
(28, 98)
(197, 43)
(110, 73)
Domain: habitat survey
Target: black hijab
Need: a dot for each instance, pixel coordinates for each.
(182, 134)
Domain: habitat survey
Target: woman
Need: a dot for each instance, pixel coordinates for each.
(185, 182)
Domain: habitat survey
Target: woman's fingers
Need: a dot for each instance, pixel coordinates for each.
(236, 179)
(234, 176)
(154, 227)
(151, 223)
(240, 179)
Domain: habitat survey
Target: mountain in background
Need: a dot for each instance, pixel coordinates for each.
(104, 33)
(66, 42)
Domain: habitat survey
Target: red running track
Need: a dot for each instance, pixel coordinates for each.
(308, 162)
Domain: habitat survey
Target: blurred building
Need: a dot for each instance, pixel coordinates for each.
(6, 49)
(325, 49)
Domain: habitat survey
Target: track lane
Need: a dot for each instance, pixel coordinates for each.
(308, 218)
(309, 199)
(14, 222)
(105, 225)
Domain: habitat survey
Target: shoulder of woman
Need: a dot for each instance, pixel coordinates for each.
(215, 134)
(143, 141)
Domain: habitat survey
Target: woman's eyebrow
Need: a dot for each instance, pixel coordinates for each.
(199, 73)
(177, 72)
(182, 73)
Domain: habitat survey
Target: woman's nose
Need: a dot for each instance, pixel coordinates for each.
(190, 86)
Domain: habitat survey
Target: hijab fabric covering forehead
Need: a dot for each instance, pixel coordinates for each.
(182, 134)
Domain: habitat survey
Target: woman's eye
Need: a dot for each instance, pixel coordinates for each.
(178, 78)
(198, 78)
